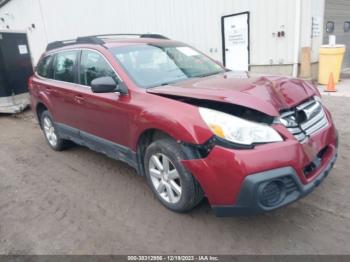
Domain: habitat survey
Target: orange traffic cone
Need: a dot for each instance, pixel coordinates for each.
(331, 85)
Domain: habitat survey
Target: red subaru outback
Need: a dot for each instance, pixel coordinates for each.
(192, 127)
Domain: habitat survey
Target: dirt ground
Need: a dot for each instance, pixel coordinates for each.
(81, 202)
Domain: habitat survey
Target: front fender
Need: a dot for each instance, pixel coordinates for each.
(184, 125)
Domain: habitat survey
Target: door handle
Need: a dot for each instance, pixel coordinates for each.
(79, 99)
(49, 90)
(227, 49)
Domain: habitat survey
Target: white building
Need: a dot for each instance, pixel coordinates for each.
(268, 35)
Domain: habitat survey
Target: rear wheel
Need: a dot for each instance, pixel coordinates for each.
(172, 184)
(50, 132)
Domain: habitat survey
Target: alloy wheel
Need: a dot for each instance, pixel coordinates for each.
(165, 178)
(50, 131)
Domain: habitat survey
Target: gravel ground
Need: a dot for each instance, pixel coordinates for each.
(81, 202)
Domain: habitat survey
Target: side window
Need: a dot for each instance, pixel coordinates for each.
(92, 66)
(64, 66)
(44, 67)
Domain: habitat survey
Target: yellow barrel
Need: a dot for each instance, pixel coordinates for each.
(331, 60)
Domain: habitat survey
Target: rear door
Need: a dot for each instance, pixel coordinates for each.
(64, 88)
(58, 82)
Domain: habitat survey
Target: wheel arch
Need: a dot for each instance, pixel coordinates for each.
(40, 108)
(190, 151)
(42, 103)
(144, 140)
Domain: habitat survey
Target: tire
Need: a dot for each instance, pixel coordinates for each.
(191, 194)
(46, 121)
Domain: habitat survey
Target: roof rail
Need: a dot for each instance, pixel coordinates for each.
(96, 40)
(79, 40)
(157, 36)
(89, 40)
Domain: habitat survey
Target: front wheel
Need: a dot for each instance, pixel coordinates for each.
(172, 184)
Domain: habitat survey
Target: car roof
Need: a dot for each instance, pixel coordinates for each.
(110, 41)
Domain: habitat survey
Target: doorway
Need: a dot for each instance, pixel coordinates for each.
(235, 41)
(15, 70)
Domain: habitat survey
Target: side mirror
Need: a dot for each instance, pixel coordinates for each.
(106, 84)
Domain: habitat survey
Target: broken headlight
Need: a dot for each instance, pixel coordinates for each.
(238, 130)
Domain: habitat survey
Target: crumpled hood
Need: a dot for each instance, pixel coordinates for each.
(267, 94)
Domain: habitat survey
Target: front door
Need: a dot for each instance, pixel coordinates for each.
(235, 31)
(101, 115)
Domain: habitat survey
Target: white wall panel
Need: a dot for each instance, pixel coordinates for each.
(197, 22)
(312, 9)
(20, 15)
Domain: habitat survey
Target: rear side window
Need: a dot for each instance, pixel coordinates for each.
(44, 67)
(64, 66)
(92, 66)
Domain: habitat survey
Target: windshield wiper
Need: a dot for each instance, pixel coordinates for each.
(209, 74)
(163, 84)
(171, 82)
(166, 83)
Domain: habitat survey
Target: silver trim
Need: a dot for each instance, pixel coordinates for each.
(319, 126)
(313, 120)
(294, 130)
(285, 114)
(316, 120)
(59, 81)
(300, 137)
(312, 110)
(304, 105)
(75, 49)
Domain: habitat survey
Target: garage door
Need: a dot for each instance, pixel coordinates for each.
(337, 13)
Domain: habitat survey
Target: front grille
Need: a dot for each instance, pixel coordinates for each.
(305, 120)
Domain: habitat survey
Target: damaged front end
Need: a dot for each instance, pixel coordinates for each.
(231, 114)
(292, 134)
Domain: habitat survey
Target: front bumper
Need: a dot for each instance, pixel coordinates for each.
(249, 200)
(232, 179)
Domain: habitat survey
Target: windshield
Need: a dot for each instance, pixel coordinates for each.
(151, 66)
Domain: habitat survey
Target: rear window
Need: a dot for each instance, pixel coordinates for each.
(44, 67)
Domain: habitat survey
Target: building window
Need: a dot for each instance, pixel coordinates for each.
(347, 26)
(330, 27)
